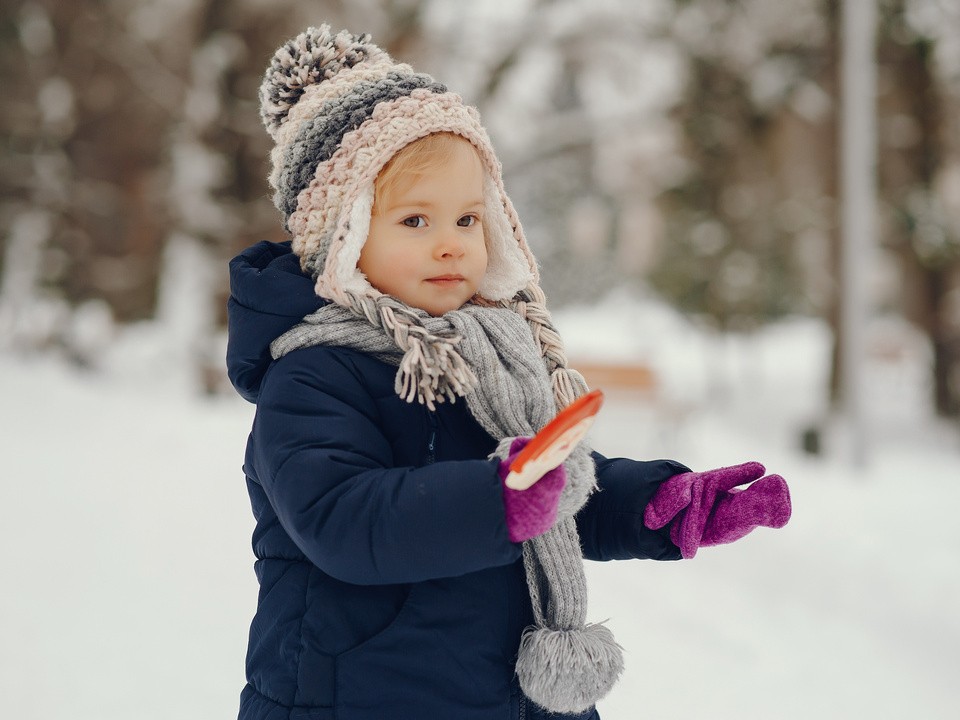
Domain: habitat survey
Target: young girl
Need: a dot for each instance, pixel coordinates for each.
(400, 356)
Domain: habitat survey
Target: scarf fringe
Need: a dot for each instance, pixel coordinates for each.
(432, 371)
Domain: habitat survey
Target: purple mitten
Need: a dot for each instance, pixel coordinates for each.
(707, 508)
(533, 511)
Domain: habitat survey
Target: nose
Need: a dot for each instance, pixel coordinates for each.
(449, 245)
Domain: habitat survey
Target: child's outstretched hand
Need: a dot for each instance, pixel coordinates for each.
(707, 508)
(533, 511)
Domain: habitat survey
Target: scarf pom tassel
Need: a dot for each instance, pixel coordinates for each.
(568, 671)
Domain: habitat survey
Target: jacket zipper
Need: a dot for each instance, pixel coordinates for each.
(432, 442)
(517, 692)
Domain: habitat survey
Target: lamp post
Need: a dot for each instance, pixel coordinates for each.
(858, 142)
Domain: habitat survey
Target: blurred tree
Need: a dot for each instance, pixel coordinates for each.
(131, 126)
(688, 144)
(754, 191)
(73, 128)
(751, 229)
(919, 164)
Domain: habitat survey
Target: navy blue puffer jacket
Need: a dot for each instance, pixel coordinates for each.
(389, 589)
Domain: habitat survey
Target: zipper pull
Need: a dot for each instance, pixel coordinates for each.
(432, 442)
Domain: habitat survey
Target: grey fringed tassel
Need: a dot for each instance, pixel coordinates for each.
(564, 664)
(568, 671)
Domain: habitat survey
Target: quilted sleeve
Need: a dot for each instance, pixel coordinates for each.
(611, 523)
(327, 470)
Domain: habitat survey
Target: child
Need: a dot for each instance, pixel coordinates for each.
(399, 357)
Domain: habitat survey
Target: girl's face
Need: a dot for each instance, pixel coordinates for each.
(426, 244)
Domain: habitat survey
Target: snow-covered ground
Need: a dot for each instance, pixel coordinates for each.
(128, 586)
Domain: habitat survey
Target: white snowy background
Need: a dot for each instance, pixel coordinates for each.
(128, 583)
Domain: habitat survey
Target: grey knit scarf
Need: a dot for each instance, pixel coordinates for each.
(489, 357)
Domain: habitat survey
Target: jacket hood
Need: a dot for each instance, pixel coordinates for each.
(269, 294)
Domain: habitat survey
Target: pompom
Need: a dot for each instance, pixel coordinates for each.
(568, 671)
(308, 59)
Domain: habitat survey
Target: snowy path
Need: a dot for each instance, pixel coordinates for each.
(127, 586)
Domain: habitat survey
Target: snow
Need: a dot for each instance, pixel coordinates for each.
(128, 582)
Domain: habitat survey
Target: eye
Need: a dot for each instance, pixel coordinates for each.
(414, 221)
(468, 220)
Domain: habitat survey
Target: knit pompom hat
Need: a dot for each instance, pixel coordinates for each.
(338, 109)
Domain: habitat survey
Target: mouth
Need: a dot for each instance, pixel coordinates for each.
(446, 279)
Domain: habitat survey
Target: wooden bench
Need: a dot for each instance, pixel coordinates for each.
(617, 375)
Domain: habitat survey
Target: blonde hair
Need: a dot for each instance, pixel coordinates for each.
(415, 159)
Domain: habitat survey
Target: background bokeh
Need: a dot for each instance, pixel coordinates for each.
(676, 166)
(687, 147)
